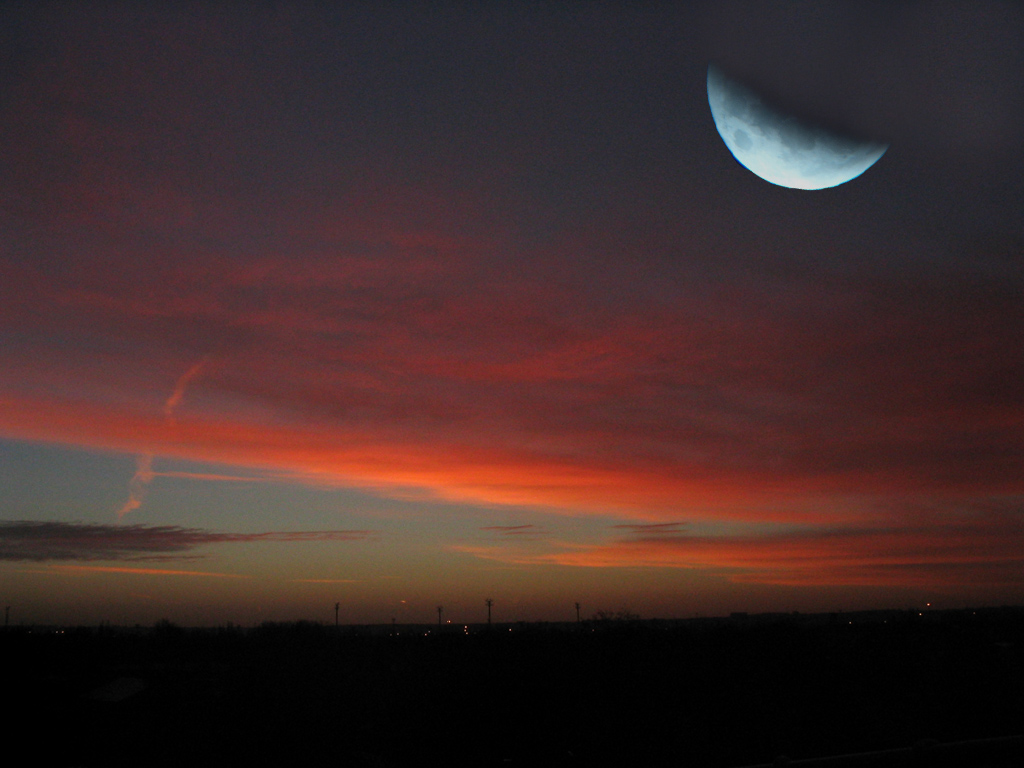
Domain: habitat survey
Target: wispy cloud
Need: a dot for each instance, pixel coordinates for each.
(138, 484)
(528, 531)
(652, 529)
(179, 387)
(145, 474)
(923, 550)
(142, 571)
(144, 463)
(216, 477)
(58, 541)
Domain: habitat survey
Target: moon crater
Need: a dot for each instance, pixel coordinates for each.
(779, 147)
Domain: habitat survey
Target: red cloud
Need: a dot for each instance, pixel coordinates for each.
(469, 392)
(977, 549)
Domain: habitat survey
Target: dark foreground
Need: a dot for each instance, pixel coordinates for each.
(614, 694)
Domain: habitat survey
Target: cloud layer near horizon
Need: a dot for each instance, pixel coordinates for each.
(921, 549)
(37, 541)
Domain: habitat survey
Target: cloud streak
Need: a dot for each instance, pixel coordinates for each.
(143, 571)
(652, 529)
(138, 484)
(179, 387)
(22, 540)
(982, 548)
(144, 474)
(528, 531)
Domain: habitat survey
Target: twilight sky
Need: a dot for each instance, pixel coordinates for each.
(401, 307)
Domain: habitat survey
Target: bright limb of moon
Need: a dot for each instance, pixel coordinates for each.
(780, 148)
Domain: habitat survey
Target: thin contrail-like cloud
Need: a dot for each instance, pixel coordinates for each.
(144, 473)
(145, 571)
(137, 485)
(179, 388)
(218, 478)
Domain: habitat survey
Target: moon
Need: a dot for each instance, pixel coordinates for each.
(779, 147)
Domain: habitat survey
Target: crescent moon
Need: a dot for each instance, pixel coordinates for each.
(779, 147)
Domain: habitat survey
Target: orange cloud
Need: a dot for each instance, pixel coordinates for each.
(985, 549)
(364, 458)
(472, 469)
(179, 387)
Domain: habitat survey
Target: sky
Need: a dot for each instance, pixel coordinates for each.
(397, 306)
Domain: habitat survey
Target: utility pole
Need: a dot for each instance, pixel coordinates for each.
(440, 610)
(336, 607)
(577, 613)
(489, 604)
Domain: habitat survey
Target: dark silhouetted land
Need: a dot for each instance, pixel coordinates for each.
(714, 693)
